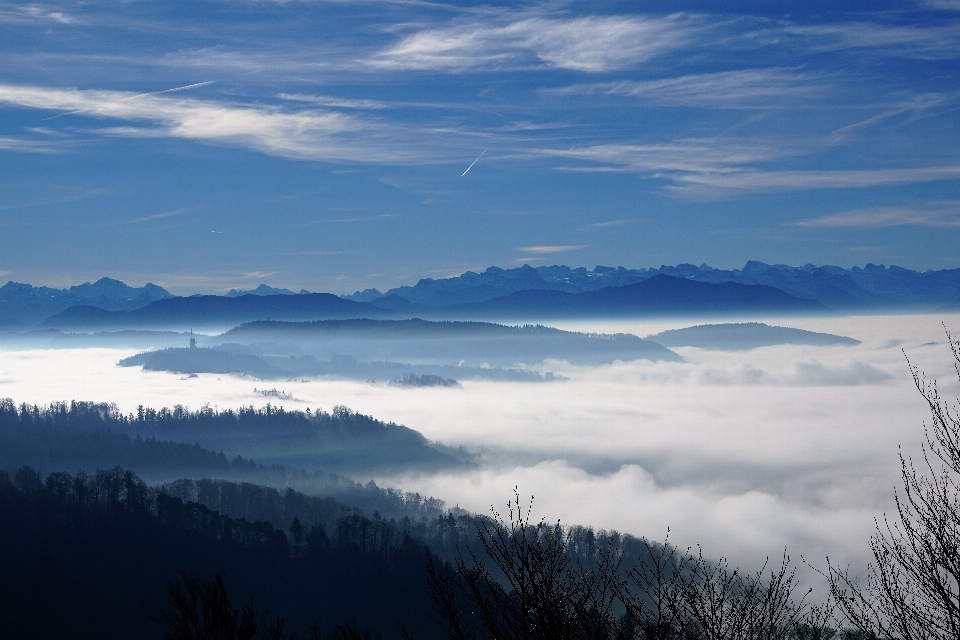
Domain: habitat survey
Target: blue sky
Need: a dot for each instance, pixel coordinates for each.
(212, 144)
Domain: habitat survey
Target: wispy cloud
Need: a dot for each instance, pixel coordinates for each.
(294, 133)
(380, 216)
(926, 42)
(30, 145)
(775, 180)
(726, 90)
(607, 223)
(684, 156)
(521, 40)
(334, 101)
(548, 249)
(713, 166)
(913, 109)
(165, 214)
(938, 214)
(943, 5)
(312, 253)
(34, 13)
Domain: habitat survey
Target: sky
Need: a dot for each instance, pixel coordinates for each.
(210, 144)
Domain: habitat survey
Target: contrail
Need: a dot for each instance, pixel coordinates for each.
(473, 163)
(139, 95)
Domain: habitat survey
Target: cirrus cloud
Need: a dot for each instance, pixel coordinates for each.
(512, 40)
(311, 133)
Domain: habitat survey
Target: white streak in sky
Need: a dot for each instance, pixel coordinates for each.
(140, 95)
(473, 163)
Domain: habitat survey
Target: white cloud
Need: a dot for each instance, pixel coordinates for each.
(334, 101)
(30, 145)
(811, 372)
(714, 166)
(776, 180)
(744, 468)
(514, 40)
(556, 248)
(165, 214)
(607, 223)
(34, 14)
(727, 89)
(307, 134)
(944, 5)
(939, 42)
(937, 214)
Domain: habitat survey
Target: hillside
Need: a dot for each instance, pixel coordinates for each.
(447, 343)
(747, 335)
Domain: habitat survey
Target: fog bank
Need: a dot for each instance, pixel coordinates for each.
(746, 451)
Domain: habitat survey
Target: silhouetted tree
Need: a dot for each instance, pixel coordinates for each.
(687, 596)
(913, 584)
(345, 632)
(201, 610)
(539, 592)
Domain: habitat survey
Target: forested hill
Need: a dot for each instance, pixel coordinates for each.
(339, 441)
(107, 544)
(89, 556)
(452, 343)
(50, 447)
(745, 335)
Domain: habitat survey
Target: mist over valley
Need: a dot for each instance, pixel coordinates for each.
(519, 320)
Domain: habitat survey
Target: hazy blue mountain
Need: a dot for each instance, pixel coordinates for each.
(214, 311)
(747, 335)
(403, 307)
(263, 290)
(658, 296)
(28, 305)
(365, 296)
(202, 360)
(870, 287)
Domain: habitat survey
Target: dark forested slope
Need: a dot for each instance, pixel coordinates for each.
(89, 557)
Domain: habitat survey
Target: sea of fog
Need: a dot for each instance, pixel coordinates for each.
(745, 452)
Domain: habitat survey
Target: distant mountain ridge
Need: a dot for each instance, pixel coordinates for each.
(522, 293)
(660, 295)
(212, 311)
(266, 290)
(28, 305)
(870, 287)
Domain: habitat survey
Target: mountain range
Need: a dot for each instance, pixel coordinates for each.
(25, 305)
(873, 287)
(508, 294)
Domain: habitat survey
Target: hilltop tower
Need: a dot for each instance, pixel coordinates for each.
(193, 341)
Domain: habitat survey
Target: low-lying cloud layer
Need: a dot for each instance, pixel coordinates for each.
(745, 452)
